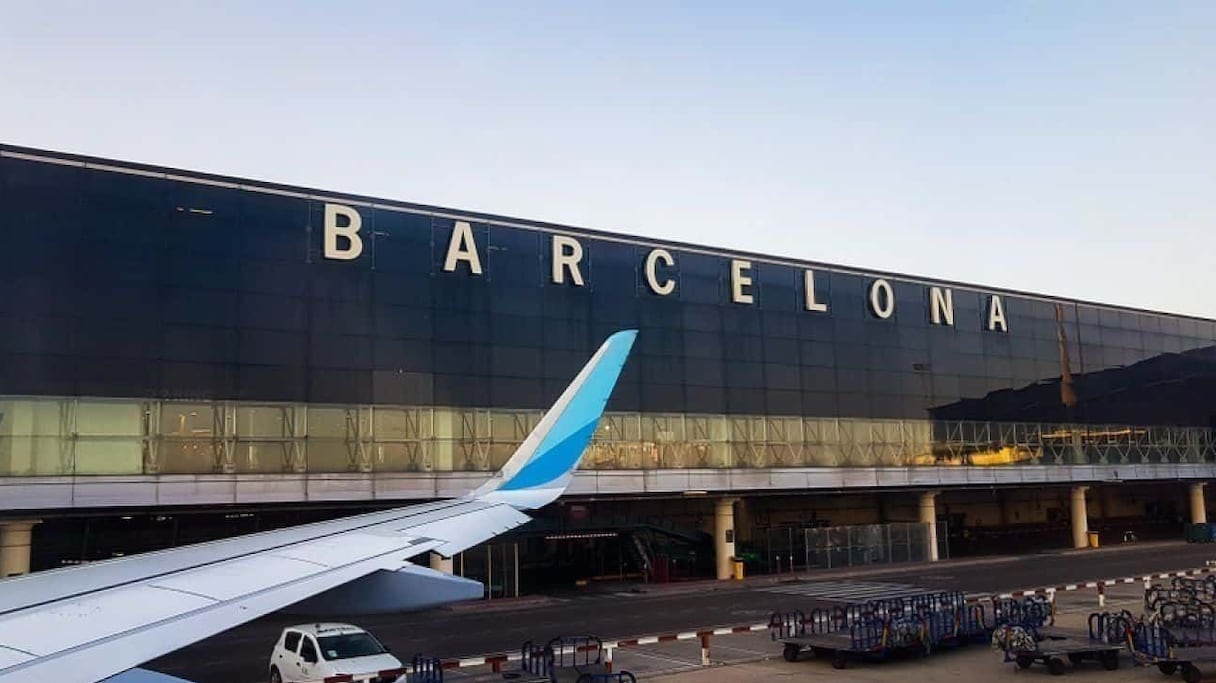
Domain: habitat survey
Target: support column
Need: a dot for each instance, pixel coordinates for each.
(1199, 507)
(928, 515)
(441, 564)
(15, 538)
(724, 536)
(1080, 518)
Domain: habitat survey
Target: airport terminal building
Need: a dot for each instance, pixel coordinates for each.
(185, 356)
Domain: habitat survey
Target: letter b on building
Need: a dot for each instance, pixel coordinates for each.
(342, 241)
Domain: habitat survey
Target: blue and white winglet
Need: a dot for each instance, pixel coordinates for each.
(99, 621)
(542, 467)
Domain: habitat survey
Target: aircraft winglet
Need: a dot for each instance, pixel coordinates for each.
(543, 465)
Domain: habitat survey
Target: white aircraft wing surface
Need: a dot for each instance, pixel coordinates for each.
(84, 624)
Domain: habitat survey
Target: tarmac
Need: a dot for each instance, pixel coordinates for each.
(624, 612)
(751, 657)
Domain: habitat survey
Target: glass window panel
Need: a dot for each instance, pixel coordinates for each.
(270, 383)
(704, 372)
(327, 422)
(331, 455)
(662, 397)
(515, 392)
(30, 417)
(24, 456)
(189, 456)
(266, 457)
(273, 277)
(109, 419)
(700, 289)
(403, 457)
(339, 386)
(190, 420)
(661, 370)
(340, 352)
(109, 456)
(405, 423)
(748, 401)
(781, 377)
(513, 361)
(745, 375)
(264, 421)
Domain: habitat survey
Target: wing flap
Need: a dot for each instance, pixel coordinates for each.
(10, 657)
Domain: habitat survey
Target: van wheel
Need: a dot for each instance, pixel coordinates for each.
(275, 677)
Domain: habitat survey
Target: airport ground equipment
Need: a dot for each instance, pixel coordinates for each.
(569, 659)
(1024, 644)
(1186, 606)
(1154, 645)
(878, 629)
(1033, 610)
(839, 643)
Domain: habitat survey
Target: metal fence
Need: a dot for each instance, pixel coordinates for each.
(778, 550)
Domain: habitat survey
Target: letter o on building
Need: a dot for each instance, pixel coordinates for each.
(882, 299)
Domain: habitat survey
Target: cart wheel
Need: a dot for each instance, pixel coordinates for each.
(791, 652)
(1024, 661)
(1055, 666)
(1190, 673)
(839, 662)
(1167, 668)
(1110, 661)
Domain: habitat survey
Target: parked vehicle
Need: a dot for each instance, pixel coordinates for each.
(332, 653)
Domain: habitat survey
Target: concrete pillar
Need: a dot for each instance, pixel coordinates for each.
(15, 538)
(1080, 518)
(928, 515)
(724, 536)
(1199, 507)
(441, 564)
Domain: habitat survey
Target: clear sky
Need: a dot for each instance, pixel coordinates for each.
(1060, 147)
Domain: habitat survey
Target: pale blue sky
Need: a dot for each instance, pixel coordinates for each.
(1061, 147)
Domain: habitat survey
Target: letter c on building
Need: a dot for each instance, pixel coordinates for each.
(652, 261)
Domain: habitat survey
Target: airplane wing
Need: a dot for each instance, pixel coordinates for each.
(84, 624)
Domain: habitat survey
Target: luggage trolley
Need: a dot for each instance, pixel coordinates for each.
(1155, 646)
(864, 639)
(1024, 646)
(569, 659)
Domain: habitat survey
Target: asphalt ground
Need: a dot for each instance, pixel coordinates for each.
(977, 662)
(240, 655)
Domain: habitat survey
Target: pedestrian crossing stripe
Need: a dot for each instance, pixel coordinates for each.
(848, 591)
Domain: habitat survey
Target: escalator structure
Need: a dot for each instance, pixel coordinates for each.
(666, 553)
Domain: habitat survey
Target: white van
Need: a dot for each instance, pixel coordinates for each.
(332, 653)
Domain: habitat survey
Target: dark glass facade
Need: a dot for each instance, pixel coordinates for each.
(141, 283)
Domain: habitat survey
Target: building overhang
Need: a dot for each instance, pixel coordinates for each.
(153, 491)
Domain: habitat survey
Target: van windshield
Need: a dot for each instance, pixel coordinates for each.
(349, 645)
